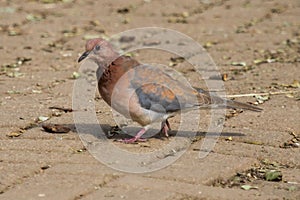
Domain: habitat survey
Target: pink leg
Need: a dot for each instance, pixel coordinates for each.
(168, 124)
(165, 127)
(135, 138)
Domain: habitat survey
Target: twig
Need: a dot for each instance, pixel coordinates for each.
(261, 94)
(62, 109)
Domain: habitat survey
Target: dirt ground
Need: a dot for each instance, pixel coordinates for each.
(255, 43)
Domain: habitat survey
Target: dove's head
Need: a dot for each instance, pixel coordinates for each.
(100, 51)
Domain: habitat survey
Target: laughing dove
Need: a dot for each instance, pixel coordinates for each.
(145, 93)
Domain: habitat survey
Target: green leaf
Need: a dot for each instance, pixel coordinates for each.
(243, 64)
(261, 99)
(75, 75)
(248, 187)
(43, 118)
(292, 188)
(273, 175)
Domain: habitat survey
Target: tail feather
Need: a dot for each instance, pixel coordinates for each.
(225, 103)
(239, 105)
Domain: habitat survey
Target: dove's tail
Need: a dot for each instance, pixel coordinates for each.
(239, 105)
(219, 102)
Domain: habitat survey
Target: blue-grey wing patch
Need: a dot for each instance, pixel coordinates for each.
(158, 98)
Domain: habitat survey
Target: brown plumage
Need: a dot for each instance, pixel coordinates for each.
(145, 93)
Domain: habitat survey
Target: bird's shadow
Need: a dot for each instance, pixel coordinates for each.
(113, 132)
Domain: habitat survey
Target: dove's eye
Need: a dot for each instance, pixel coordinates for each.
(97, 47)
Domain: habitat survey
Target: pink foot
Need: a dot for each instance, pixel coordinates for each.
(165, 127)
(136, 138)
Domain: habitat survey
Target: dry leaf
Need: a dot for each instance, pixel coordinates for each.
(55, 128)
(14, 134)
(295, 84)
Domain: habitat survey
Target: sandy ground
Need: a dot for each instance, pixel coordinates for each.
(255, 43)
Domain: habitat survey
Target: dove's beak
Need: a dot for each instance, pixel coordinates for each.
(83, 56)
